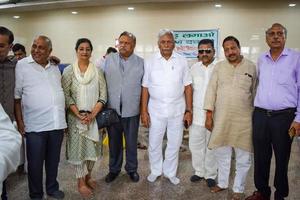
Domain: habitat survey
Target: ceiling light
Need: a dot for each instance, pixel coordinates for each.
(74, 12)
(16, 16)
(218, 6)
(292, 5)
(130, 8)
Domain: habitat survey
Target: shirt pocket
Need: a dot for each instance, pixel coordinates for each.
(284, 77)
(244, 81)
(157, 77)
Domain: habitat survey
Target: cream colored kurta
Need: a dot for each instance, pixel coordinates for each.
(230, 95)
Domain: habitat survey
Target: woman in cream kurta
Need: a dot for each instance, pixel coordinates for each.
(85, 92)
(230, 96)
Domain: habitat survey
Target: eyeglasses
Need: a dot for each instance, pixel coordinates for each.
(207, 51)
(272, 34)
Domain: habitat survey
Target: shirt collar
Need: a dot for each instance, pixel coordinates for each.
(285, 52)
(9, 58)
(159, 56)
(211, 64)
(31, 60)
(129, 58)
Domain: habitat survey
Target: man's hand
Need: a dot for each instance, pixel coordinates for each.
(296, 126)
(145, 118)
(55, 60)
(187, 119)
(209, 121)
(21, 128)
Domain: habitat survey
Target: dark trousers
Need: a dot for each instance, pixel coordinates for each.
(4, 194)
(43, 147)
(271, 132)
(129, 126)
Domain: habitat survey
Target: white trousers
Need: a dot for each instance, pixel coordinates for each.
(242, 166)
(157, 130)
(203, 159)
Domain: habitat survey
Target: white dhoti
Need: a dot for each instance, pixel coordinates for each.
(158, 127)
(203, 159)
(242, 166)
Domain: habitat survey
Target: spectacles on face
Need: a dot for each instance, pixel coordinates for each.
(207, 51)
(272, 34)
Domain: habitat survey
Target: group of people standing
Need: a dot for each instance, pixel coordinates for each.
(228, 105)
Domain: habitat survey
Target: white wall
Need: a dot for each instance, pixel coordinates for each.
(104, 24)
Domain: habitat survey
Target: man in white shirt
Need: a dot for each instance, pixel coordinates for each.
(167, 102)
(10, 144)
(203, 159)
(41, 118)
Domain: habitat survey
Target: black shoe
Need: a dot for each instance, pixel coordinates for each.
(110, 177)
(210, 182)
(134, 176)
(57, 194)
(196, 178)
(278, 196)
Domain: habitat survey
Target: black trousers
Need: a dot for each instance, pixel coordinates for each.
(43, 147)
(129, 126)
(4, 194)
(271, 132)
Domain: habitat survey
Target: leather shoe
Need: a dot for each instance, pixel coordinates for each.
(210, 182)
(110, 177)
(196, 178)
(134, 176)
(58, 194)
(257, 196)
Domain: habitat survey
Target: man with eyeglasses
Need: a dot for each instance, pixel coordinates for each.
(203, 159)
(276, 118)
(229, 105)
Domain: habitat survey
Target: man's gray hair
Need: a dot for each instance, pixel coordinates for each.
(277, 25)
(46, 39)
(128, 34)
(163, 32)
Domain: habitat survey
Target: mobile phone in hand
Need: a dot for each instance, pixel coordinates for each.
(186, 124)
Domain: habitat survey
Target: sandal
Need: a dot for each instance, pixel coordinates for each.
(90, 182)
(216, 189)
(237, 196)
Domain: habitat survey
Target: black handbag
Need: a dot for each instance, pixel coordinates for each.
(107, 117)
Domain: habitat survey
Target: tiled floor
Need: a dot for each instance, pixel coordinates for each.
(123, 188)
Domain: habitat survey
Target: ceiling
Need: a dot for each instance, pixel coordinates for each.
(31, 5)
(35, 5)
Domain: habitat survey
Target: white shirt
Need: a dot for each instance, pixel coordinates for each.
(201, 76)
(165, 80)
(10, 144)
(43, 102)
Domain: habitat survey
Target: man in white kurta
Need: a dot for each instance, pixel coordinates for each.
(10, 144)
(229, 104)
(166, 105)
(203, 159)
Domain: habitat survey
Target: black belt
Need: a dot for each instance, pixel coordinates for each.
(275, 112)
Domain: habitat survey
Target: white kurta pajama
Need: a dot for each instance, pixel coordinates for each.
(203, 159)
(166, 81)
(230, 95)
